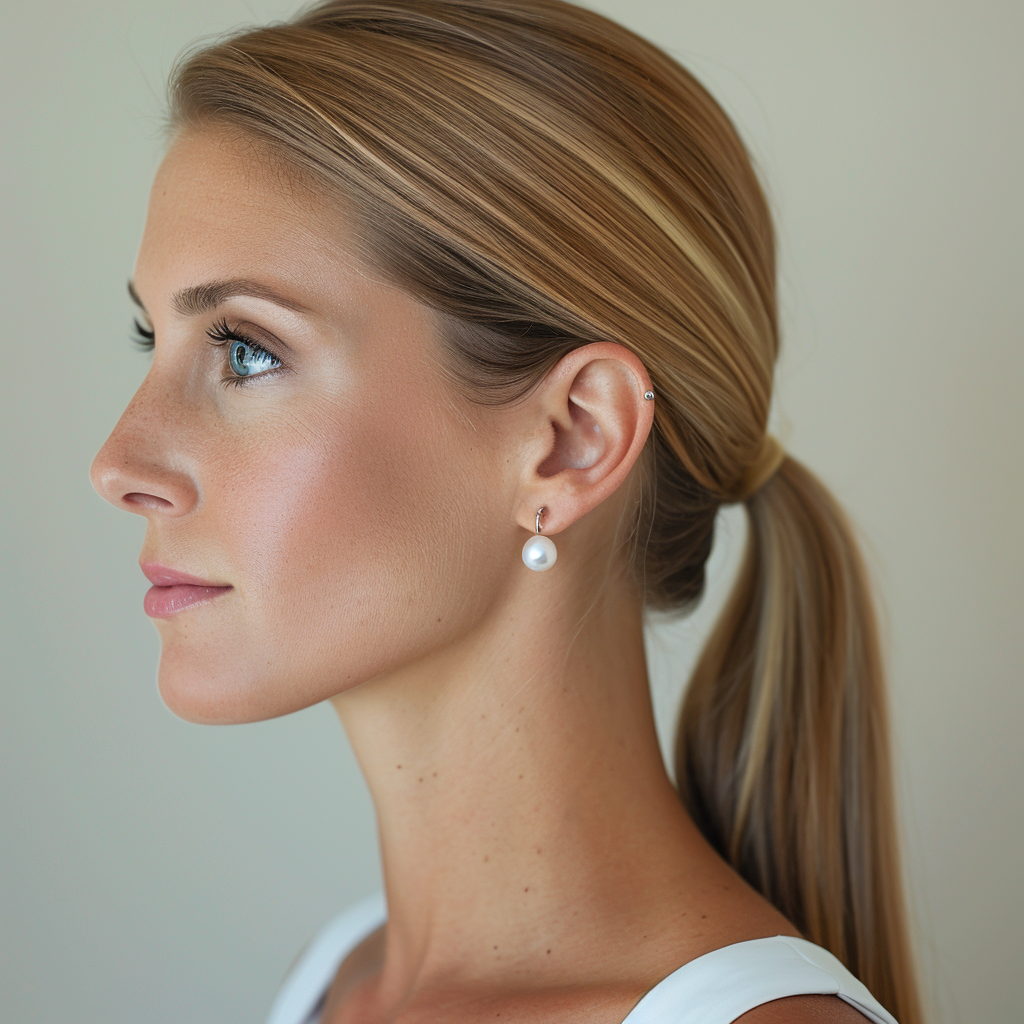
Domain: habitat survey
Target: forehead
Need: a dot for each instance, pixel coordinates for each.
(221, 206)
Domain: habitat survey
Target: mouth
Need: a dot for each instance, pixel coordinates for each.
(174, 591)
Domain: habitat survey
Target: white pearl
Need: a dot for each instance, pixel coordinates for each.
(539, 553)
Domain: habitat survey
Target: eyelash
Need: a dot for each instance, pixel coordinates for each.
(219, 334)
(144, 337)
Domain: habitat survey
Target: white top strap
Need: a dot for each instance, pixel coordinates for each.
(722, 985)
(715, 988)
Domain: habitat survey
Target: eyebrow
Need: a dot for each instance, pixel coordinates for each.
(201, 298)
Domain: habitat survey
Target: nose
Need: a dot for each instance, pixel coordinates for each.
(140, 467)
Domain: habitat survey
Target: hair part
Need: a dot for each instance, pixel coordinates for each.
(541, 177)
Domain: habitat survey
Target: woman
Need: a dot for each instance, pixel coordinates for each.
(439, 292)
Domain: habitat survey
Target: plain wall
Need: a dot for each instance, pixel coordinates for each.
(158, 871)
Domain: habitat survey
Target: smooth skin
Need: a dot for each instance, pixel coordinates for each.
(369, 519)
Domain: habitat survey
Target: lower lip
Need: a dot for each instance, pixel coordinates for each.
(163, 602)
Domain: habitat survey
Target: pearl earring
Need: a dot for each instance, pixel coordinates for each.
(539, 552)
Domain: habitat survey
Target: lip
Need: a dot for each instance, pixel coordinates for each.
(173, 591)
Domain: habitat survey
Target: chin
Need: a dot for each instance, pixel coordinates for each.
(209, 683)
(210, 689)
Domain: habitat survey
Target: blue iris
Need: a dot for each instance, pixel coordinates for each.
(247, 359)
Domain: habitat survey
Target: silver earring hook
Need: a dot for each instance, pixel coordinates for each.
(540, 511)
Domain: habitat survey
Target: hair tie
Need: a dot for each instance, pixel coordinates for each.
(762, 469)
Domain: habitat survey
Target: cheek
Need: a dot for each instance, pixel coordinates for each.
(343, 527)
(356, 545)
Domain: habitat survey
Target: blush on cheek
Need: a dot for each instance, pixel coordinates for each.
(355, 536)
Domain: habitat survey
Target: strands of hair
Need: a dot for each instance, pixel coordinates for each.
(541, 177)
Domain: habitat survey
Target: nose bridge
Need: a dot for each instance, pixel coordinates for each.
(142, 465)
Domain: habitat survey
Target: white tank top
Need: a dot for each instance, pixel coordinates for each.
(715, 988)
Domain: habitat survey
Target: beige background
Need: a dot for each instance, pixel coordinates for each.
(163, 872)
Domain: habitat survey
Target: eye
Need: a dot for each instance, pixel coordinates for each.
(245, 357)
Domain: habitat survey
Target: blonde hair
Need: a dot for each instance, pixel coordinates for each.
(541, 177)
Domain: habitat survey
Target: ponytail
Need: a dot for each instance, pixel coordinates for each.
(782, 753)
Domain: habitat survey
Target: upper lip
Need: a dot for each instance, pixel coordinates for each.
(162, 576)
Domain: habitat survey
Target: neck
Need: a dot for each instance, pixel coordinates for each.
(521, 797)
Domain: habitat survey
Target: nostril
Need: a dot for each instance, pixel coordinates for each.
(147, 501)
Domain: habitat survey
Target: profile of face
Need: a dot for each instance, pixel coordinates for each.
(296, 445)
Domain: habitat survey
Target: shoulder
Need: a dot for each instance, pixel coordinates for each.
(805, 1009)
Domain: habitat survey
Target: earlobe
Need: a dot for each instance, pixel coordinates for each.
(597, 415)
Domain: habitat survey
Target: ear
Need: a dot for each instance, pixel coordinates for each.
(591, 421)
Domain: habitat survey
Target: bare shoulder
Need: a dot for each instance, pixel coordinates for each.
(816, 1009)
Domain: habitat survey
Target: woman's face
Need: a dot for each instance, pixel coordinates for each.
(356, 509)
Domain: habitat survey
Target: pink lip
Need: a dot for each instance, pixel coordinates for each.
(173, 591)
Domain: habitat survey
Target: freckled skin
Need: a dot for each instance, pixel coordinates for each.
(369, 521)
